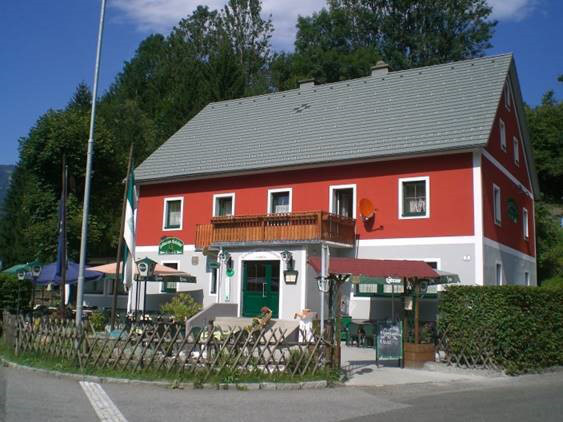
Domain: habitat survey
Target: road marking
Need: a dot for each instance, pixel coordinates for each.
(102, 404)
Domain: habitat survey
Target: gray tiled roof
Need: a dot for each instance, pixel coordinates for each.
(436, 108)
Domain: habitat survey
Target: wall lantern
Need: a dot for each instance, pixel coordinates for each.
(145, 267)
(21, 275)
(35, 271)
(290, 275)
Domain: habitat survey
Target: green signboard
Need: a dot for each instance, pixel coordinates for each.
(512, 210)
(171, 246)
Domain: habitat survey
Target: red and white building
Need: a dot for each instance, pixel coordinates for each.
(441, 152)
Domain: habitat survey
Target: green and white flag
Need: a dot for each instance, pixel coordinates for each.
(129, 231)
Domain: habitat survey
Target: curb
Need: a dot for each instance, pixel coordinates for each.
(249, 386)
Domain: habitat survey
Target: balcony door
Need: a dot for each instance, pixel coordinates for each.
(261, 287)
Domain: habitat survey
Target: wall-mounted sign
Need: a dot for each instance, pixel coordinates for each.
(171, 246)
(512, 210)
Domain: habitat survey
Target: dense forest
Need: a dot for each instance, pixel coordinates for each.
(213, 55)
(5, 178)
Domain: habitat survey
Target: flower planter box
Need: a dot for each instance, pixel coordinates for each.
(417, 354)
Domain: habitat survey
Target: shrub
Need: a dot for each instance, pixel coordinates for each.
(14, 293)
(181, 306)
(98, 319)
(520, 327)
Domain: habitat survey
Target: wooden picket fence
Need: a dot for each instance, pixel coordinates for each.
(476, 351)
(166, 348)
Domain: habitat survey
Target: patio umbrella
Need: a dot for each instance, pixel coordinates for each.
(159, 271)
(14, 269)
(49, 274)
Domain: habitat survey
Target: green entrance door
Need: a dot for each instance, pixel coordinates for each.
(261, 287)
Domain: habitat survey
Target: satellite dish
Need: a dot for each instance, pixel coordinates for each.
(367, 209)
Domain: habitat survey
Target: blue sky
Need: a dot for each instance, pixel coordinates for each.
(48, 47)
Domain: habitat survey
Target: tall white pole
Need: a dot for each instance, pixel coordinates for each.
(324, 267)
(89, 158)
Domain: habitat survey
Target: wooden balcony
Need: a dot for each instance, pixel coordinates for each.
(304, 227)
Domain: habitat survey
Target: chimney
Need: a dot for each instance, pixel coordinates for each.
(306, 83)
(380, 69)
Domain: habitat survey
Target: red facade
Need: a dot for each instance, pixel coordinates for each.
(451, 197)
(509, 232)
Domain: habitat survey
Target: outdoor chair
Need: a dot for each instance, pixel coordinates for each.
(355, 334)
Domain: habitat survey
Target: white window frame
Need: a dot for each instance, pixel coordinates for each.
(499, 282)
(402, 180)
(168, 261)
(331, 202)
(516, 153)
(497, 211)
(507, 95)
(165, 209)
(219, 196)
(271, 191)
(502, 134)
(218, 269)
(525, 224)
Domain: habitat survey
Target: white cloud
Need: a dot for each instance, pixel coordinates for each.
(162, 15)
(512, 9)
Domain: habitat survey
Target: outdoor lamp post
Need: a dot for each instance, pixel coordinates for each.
(145, 270)
(21, 277)
(323, 283)
(35, 271)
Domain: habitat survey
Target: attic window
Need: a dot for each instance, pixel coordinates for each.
(507, 99)
(502, 134)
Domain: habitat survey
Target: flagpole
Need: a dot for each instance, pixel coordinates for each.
(62, 287)
(120, 243)
(89, 158)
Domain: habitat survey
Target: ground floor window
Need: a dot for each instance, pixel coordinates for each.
(120, 288)
(527, 278)
(167, 286)
(499, 274)
(94, 287)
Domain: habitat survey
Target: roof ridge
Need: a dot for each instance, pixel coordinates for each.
(361, 78)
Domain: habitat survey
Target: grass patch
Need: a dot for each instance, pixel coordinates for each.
(226, 377)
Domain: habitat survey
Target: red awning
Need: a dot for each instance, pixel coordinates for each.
(375, 267)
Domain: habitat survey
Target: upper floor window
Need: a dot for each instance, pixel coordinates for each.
(223, 205)
(525, 225)
(173, 208)
(507, 98)
(343, 200)
(279, 201)
(502, 132)
(497, 204)
(516, 151)
(167, 286)
(414, 197)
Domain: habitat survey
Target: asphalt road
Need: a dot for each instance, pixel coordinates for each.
(27, 396)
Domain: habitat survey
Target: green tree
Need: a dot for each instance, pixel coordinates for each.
(545, 124)
(342, 41)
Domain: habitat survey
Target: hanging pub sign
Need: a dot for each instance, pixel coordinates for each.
(512, 210)
(171, 246)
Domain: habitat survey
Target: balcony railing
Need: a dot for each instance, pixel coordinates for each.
(276, 228)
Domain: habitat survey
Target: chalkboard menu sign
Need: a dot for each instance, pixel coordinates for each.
(389, 345)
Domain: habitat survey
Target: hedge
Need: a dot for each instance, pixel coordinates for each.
(11, 289)
(520, 327)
